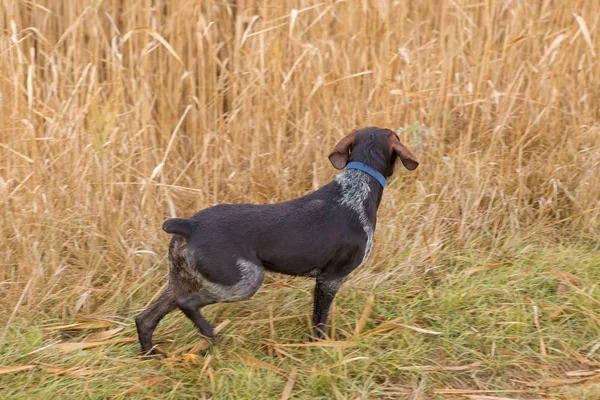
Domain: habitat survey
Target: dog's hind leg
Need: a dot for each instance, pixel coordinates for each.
(191, 304)
(325, 291)
(251, 276)
(147, 321)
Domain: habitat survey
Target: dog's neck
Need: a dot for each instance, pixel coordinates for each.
(361, 193)
(359, 189)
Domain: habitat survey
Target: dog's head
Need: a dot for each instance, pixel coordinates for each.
(375, 147)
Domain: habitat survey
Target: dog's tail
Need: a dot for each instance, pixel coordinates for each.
(178, 226)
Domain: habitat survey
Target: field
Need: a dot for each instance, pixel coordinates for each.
(483, 283)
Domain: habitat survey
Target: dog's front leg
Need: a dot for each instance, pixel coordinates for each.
(325, 291)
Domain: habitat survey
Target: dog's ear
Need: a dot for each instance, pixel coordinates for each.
(341, 151)
(409, 161)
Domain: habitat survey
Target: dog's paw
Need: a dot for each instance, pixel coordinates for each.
(153, 355)
(318, 335)
(213, 340)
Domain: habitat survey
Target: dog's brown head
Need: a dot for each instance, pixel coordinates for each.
(375, 147)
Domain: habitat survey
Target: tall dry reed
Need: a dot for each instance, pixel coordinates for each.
(117, 114)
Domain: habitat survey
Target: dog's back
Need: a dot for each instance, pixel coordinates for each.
(297, 237)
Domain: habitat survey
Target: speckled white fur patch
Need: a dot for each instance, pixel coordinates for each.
(332, 287)
(355, 190)
(252, 277)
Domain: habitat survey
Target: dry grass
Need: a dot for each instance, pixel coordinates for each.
(116, 115)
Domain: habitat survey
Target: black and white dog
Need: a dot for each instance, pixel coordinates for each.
(221, 253)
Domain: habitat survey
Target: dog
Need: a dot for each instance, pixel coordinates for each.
(220, 254)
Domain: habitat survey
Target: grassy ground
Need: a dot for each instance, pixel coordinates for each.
(516, 329)
(117, 114)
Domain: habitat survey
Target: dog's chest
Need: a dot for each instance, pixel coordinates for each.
(355, 191)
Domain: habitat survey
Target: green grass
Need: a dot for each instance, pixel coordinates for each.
(485, 317)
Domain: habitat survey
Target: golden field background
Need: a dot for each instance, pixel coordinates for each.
(93, 93)
(116, 115)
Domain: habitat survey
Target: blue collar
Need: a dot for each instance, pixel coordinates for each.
(365, 168)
